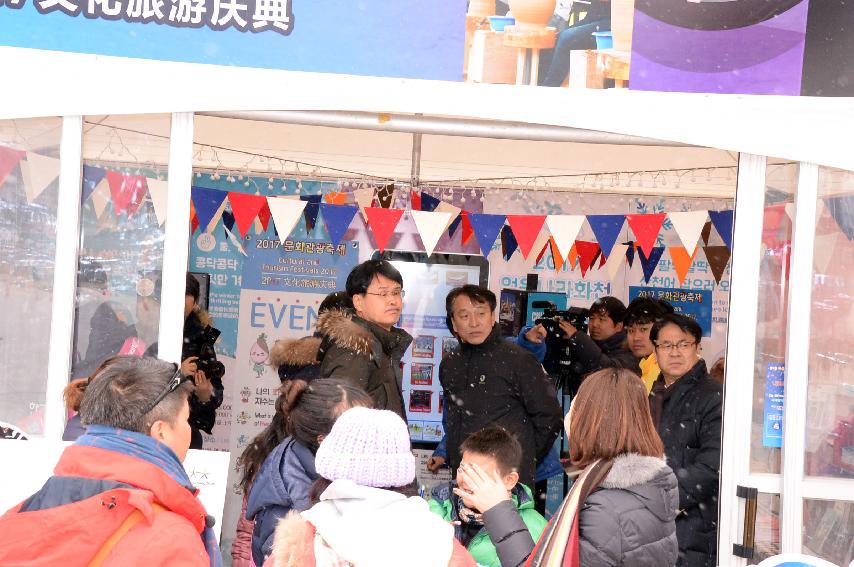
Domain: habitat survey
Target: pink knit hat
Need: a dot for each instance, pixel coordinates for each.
(369, 447)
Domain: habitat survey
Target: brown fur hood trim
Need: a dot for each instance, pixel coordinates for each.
(290, 544)
(342, 330)
(295, 352)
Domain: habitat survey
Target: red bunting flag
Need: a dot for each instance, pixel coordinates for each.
(9, 159)
(246, 208)
(264, 215)
(194, 221)
(526, 228)
(468, 231)
(646, 229)
(414, 200)
(126, 191)
(383, 222)
(586, 253)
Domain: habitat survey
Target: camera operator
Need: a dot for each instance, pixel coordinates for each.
(604, 347)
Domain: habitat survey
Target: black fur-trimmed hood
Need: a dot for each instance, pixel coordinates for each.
(295, 352)
(339, 327)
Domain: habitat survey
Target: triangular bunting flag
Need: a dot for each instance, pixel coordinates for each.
(717, 256)
(101, 197)
(385, 195)
(364, 198)
(159, 190)
(564, 230)
(312, 208)
(455, 218)
(337, 219)
(824, 246)
(227, 222)
(651, 262)
(723, 224)
(790, 211)
(256, 224)
(486, 228)
(38, 172)
(286, 213)
(207, 203)
(194, 222)
(526, 228)
(707, 232)
(431, 227)
(383, 222)
(587, 252)
(454, 225)
(264, 215)
(9, 159)
(335, 198)
(91, 177)
(607, 229)
(125, 191)
(615, 260)
(557, 258)
(602, 259)
(772, 219)
(415, 200)
(428, 202)
(542, 253)
(630, 253)
(217, 216)
(572, 258)
(468, 231)
(245, 207)
(689, 225)
(682, 261)
(236, 241)
(508, 243)
(646, 229)
(842, 211)
(138, 196)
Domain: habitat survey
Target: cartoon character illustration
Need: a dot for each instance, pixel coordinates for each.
(244, 394)
(243, 417)
(259, 354)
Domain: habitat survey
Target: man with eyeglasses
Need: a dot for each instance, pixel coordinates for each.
(489, 380)
(641, 314)
(686, 405)
(366, 348)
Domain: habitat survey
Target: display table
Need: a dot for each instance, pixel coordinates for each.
(614, 64)
(490, 61)
(529, 43)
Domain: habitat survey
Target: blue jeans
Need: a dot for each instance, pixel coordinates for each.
(574, 37)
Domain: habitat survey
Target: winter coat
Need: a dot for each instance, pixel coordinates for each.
(481, 546)
(589, 355)
(502, 383)
(628, 521)
(690, 428)
(93, 491)
(74, 428)
(202, 415)
(281, 485)
(366, 355)
(367, 527)
(296, 359)
(241, 547)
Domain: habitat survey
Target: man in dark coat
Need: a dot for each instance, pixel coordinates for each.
(366, 348)
(686, 408)
(488, 380)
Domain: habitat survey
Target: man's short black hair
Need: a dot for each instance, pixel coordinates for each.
(610, 306)
(646, 310)
(687, 325)
(477, 294)
(361, 276)
(193, 287)
(335, 300)
(496, 442)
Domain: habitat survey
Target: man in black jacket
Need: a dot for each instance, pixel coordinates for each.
(488, 380)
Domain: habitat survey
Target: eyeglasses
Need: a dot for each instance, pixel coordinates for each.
(397, 293)
(177, 379)
(681, 346)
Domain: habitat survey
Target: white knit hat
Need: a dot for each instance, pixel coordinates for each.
(369, 447)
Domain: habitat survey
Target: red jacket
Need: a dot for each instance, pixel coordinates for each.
(70, 534)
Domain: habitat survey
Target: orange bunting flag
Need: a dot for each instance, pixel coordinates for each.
(682, 261)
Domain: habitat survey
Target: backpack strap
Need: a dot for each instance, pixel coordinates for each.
(133, 519)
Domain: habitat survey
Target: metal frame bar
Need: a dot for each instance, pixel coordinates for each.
(64, 273)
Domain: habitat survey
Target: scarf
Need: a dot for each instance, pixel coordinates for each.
(559, 545)
(660, 393)
(147, 449)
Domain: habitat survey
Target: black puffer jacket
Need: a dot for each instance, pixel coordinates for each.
(502, 383)
(690, 427)
(296, 359)
(365, 354)
(589, 355)
(196, 343)
(626, 522)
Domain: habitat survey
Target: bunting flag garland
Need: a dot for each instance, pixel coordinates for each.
(286, 213)
(689, 226)
(542, 252)
(707, 232)
(842, 211)
(9, 160)
(335, 198)
(682, 261)
(444, 207)
(607, 229)
(572, 258)
(526, 228)
(428, 202)
(92, 176)
(723, 224)
(364, 198)
(383, 221)
(431, 227)
(194, 220)
(245, 207)
(630, 253)
(385, 194)
(646, 229)
(586, 254)
(468, 231)
(556, 255)
(415, 200)
(312, 208)
(159, 191)
(508, 243)
(718, 257)
(564, 230)
(337, 219)
(454, 225)
(649, 263)
(772, 219)
(38, 172)
(264, 215)
(207, 202)
(126, 191)
(790, 211)
(228, 221)
(101, 198)
(486, 228)
(615, 260)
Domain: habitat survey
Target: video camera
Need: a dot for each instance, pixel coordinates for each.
(575, 316)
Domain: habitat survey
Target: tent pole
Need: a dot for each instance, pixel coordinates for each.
(416, 160)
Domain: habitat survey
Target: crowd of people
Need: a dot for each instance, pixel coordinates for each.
(331, 480)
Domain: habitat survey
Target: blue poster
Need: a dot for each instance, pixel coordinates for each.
(694, 303)
(772, 428)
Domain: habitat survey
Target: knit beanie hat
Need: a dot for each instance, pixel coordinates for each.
(369, 447)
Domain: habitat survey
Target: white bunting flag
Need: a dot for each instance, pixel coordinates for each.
(564, 229)
(431, 226)
(689, 226)
(101, 197)
(364, 198)
(286, 214)
(159, 190)
(38, 171)
(616, 260)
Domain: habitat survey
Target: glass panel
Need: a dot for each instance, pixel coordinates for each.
(830, 410)
(766, 430)
(829, 530)
(29, 185)
(121, 254)
(767, 541)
